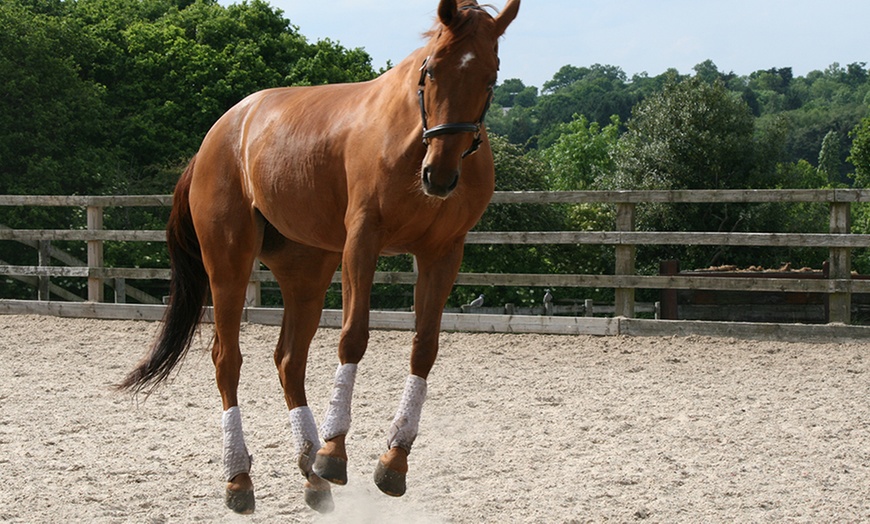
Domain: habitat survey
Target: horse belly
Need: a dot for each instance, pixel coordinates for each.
(307, 211)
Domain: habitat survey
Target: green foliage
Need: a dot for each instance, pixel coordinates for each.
(53, 131)
(859, 155)
(114, 96)
(515, 171)
(583, 153)
(692, 135)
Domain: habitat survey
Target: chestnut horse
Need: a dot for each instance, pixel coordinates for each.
(307, 178)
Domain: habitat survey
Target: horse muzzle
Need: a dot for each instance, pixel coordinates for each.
(439, 183)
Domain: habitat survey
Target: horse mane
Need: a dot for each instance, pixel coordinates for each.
(471, 15)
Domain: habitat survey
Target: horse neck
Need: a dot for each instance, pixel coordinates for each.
(395, 97)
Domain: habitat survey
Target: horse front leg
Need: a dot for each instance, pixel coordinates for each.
(437, 272)
(358, 268)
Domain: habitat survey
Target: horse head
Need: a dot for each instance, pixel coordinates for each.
(455, 87)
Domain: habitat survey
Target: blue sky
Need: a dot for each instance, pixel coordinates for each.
(637, 35)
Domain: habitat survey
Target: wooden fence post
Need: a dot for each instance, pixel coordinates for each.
(670, 308)
(252, 293)
(120, 291)
(625, 259)
(44, 259)
(840, 265)
(95, 254)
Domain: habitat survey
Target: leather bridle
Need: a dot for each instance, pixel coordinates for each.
(453, 128)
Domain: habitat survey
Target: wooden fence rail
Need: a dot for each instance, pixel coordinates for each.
(839, 286)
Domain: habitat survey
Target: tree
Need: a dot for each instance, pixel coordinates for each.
(582, 154)
(859, 154)
(512, 92)
(54, 136)
(171, 68)
(693, 135)
(829, 158)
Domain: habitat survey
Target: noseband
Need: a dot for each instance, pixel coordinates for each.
(454, 128)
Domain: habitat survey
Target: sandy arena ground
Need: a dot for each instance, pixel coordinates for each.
(517, 428)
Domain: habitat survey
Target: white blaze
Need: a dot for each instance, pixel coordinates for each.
(466, 60)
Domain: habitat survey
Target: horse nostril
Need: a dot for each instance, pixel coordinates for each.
(454, 183)
(426, 173)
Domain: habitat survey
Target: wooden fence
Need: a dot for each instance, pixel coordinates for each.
(839, 286)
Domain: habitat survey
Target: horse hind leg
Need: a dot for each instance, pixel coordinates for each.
(229, 299)
(230, 237)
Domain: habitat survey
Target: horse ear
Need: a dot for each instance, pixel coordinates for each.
(506, 16)
(447, 11)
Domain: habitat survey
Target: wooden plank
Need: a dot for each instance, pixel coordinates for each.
(82, 310)
(668, 238)
(95, 254)
(754, 330)
(508, 280)
(625, 261)
(45, 271)
(664, 282)
(513, 197)
(133, 273)
(84, 201)
(475, 323)
(515, 237)
(529, 324)
(23, 235)
(681, 196)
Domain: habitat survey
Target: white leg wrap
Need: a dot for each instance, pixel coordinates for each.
(403, 431)
(337, 419)
(236, 457)
(305, 437)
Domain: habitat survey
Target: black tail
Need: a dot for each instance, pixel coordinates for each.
(188, 288)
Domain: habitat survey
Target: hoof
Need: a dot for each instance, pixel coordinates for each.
(389, 481)
(332, 469)
(241, 502)
(318, 495)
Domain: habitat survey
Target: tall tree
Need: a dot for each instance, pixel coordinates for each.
(693, 135)
(53, 123)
